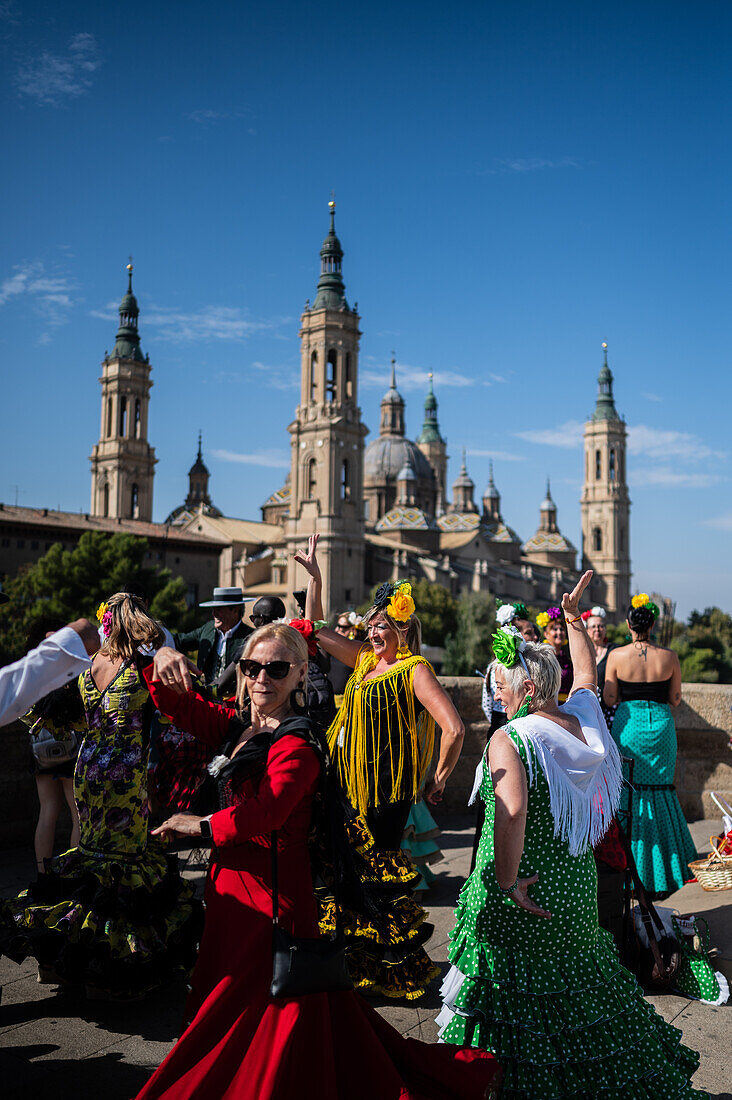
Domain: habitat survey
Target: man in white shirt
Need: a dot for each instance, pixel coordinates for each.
(58, 659)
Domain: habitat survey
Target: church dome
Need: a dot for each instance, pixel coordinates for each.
(387, 455)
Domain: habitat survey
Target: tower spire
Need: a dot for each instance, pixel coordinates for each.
(605, 405)
(127, 344)
(430, 428)
(331, 292)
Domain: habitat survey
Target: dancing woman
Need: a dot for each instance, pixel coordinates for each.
(112, 915)
(381, 742)
(551, 623)
(534, 979)
(645, 681)
(241, 1044)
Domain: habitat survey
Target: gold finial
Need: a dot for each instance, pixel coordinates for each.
(430, 375)
(604, 346)
(331, 204)
(129, 265)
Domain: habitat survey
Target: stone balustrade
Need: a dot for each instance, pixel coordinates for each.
(703, 723)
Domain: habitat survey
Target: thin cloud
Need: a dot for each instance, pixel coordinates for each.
(508, 165)
(663, 477)
(721, 523)
(53, 79)
(652, 396)
(274, 460)
(666, 444)
(205, 116)
(228, 323)
(500, 456)
(279, 378)
(413, 378)
(49, 293)
(568, 435)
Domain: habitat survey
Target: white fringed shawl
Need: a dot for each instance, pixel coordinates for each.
(585, 780)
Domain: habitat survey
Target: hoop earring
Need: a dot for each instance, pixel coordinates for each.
(298, 700)
(403, 652)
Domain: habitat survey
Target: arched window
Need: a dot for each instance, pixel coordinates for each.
(311, 479)
(109, 417)
(134, 502)
(598, 465)
(138, 425)
(331, 376)
(105, 499)
(611, 468)
(345, 486)
(349, 377)
(596, 539)
(123, 416)
(313, 376)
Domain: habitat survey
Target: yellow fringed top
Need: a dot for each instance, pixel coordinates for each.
(379, 743)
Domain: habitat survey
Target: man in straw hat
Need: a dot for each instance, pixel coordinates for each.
(221, 639)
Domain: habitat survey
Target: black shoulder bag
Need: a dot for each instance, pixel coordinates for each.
(299, 965)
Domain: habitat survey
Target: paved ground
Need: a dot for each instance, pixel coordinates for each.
(55, 1046)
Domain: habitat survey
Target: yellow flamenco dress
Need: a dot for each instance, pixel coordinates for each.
(381, 744)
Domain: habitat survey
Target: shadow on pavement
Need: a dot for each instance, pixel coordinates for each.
(68, 1079)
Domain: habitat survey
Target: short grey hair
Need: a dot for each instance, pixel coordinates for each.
(543, 669)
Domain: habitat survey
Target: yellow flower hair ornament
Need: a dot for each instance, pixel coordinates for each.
(641, 599)
(401, 606)
(542, 620)
(101, 611)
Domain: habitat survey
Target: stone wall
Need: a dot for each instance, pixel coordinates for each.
(703, 723)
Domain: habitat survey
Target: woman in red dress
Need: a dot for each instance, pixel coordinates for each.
(241, 1044)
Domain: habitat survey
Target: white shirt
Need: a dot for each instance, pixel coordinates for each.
(57, 660)
(221, 638)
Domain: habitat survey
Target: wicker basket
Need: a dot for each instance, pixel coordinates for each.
(714, 872)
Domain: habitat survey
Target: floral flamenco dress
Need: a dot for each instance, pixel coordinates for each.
(381, 744)
(549, 997)
(113, 914)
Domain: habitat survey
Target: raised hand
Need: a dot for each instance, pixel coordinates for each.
(570, 600)
(174, 670)
(309, 561)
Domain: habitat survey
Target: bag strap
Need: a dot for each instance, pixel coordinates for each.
(275, 885)
(649, 915)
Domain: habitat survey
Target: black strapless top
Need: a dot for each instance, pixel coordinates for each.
(656, 691)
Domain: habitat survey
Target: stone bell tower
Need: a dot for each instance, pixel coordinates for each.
(123, 462)
(605, 502)
(327, 434)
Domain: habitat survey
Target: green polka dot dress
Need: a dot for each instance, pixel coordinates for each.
(549, 997)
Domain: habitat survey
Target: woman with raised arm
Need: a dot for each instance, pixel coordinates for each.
(242, 1042)
(534, 979)
(382, 741)
(645, 681)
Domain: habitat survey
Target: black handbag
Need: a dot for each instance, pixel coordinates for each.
(299, 965)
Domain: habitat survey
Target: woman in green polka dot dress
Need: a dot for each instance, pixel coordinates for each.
(534, 979)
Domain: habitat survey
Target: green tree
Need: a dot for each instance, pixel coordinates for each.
(469, 648)
(437, 611)
(66, 584)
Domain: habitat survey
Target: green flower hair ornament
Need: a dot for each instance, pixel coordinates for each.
(507, 646)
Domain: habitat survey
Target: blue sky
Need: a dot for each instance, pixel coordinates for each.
(515, 184)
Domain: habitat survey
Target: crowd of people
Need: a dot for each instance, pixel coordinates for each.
(304, 757)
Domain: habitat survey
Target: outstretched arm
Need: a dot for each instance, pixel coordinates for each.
(345, 649)
(581, 649)
(58, 659)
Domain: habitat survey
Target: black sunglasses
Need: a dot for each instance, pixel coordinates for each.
(276, 670)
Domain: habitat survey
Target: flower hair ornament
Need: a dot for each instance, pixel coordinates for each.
(552, 614)
(395, 600)
(308, 629)
(505, 614)
(644, 600)
(508, 648)
(104, 616)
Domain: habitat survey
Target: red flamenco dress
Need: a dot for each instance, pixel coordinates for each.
(240, 1044)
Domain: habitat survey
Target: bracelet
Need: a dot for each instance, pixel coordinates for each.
(570, 621)
(509, 889)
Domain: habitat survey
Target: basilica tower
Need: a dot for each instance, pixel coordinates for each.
(605, 502)
(123, 462)
(327, 434)
(434, 448)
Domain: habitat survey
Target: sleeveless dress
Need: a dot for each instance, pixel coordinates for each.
(549, 997)
(643, 728)
(113, 914)
(381, 744)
